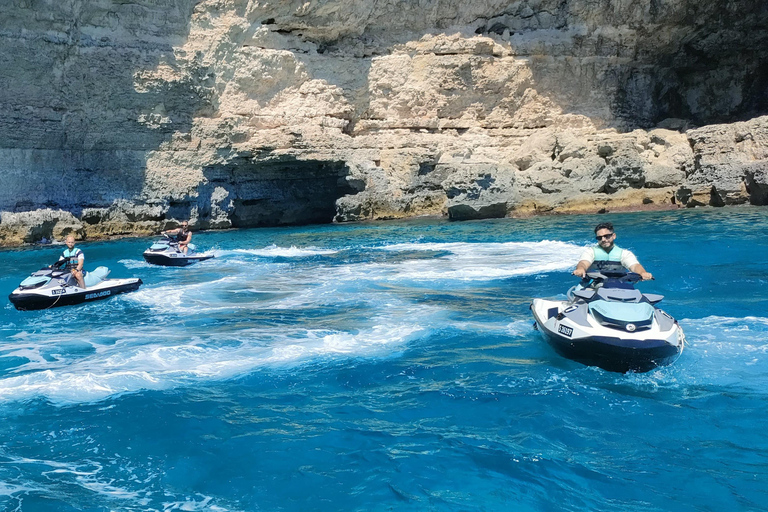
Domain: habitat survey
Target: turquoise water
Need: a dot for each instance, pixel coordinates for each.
(387, 366)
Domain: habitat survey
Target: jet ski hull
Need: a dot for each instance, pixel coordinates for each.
(587, 342)
(49, 297)
(172, 259)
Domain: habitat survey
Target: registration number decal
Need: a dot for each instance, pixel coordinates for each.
(565, 330)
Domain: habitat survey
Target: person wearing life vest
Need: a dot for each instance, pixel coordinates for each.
(606, 250)
(182, 235)
(72, 259)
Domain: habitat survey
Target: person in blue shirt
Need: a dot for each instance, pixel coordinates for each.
(72, 259)
(607, 250)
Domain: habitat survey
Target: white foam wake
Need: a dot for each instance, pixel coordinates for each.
(721, 353)
(477, 261)
(273, 251)
(226, 320)
(138, 361)
(728, 334)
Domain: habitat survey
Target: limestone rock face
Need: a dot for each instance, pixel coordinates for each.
(126, 117)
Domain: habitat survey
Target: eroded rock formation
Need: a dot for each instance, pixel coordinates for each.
(123, 117)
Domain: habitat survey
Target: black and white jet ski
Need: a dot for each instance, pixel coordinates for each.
(52, 287)
(610, 324)
(166, 252)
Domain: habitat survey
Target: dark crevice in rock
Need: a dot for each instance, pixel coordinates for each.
(715, 199)
(498, 28)
(467, 212)
(281, 192)
(756, 183)
(426, 168)
(716, 71)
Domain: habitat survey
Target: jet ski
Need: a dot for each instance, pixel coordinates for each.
(607, 323)
(166, 252)
(52, 287)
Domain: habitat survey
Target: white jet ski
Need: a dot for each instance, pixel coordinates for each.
(610, 324)
(52, 287)
(166, 252)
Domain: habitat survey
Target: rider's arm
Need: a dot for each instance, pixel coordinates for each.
(189, 237)
(585, 260)
(80, 261)
(581, 268)
(629, 260)
(638, 269)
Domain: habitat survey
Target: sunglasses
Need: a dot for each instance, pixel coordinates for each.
(600, 237)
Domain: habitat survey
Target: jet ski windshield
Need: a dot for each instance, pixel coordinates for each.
(159, 246)
(42, 277)
(615, 278)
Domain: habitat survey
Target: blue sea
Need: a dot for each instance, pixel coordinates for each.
(387, 366)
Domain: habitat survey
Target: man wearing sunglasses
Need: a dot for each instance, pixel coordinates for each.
(606, 250)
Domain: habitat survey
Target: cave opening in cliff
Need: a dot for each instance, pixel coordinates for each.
(280, 192)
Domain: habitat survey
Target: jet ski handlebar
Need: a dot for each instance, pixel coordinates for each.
(623, 276)
(168, 238)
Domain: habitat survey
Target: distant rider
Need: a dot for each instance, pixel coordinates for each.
(181, 235)
(606, 250)
(73, 260)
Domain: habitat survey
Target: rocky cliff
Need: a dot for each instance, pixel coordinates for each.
(122, 117)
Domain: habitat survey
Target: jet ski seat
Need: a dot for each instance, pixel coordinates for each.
(96, 276)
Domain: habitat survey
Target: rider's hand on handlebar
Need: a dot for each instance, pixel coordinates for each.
(580, 272)
(647, 276)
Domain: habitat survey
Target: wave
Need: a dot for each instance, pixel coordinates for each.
(57, 480)
(274, 251)
(133, 264)
(728, 336)
(477, 261)
(140, 359)
(728, 323)
(265, 285)
(428, 261)
(720, 353)
(201, 324)
(482, 247)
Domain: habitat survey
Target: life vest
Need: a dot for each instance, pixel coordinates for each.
(606, 260)
(614, 255)
(181, 236)
(71, 256)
